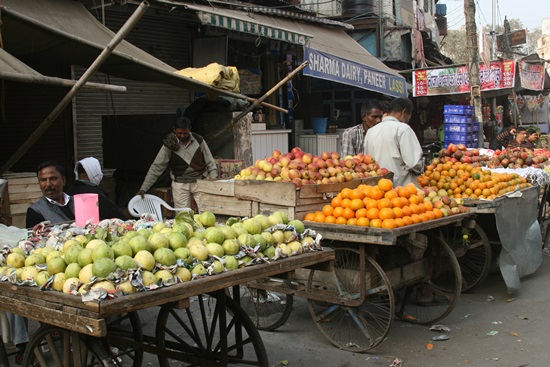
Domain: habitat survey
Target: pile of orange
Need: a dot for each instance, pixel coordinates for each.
(380, 206)
(462, 180)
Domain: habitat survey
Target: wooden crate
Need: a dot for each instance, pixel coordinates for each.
(23, 190)
(248, 198)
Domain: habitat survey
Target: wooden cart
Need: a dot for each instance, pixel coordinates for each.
(374, 277)
(213, 330)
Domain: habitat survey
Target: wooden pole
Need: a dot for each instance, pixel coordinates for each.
(60, 82)
(121, 34)
(473, 64)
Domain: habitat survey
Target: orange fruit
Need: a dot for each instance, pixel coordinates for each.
(345, 192)
(363, 221)
(386, 213)
(384, 203)
(397, 202)
(423, 217)
(309, 216)
(372, 213)
(336, 201)
(341, 220)
(407, 211)
(348, 213)
(356, 204)
(411, 188)
(319, 217)
(438, 213)
(399, 222)
(414, 199)
(346, 202)
(428, 205)
(352, 222)
(330, 219)
(366, 189)
(338, 212)
(361, 213)
(389, 224)
(385, 185)
(356, 194)
(391, 194)
(415, 218)
(376, 223)
(327, 210)
(422, 207)
(430, 214)
(404, 202)
(403, 192)
(414, 208)
(397, 212)
(408, 221)
(371, 203)
(376, 193)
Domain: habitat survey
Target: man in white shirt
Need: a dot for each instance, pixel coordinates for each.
(394, 145)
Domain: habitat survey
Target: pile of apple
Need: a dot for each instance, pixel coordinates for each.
(303, 168)
(518, 158)
(459, 153)
(142, 255)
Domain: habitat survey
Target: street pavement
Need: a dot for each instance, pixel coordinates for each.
(489, 327)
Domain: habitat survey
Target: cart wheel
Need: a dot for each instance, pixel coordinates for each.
(268, 310)
(354, 329)
(544, 217)
(473, 253)
(56, 347)
(124, 339)
(213, 331)
(426, 301)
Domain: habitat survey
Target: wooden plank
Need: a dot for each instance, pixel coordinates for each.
(29, 180)
(217, 187)
(19, 220)
(25, 197)
(280, 193)
(267, 209)
(409, 274)
(223, 205)
(19, 208)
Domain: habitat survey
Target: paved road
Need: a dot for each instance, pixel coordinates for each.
(521, 320)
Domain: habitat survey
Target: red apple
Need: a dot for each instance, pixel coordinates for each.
(349, 163)
(321, 163)
(335, 155)
(325, 155)
(293, 174)
(276, 153)
(307, 158)
(297, 182)
(368, 159)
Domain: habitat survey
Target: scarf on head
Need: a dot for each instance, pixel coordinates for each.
(92, 168)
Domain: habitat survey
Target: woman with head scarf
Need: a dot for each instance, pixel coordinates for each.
(88, 176)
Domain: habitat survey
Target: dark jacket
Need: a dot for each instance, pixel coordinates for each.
(43, 210)
(107, 209)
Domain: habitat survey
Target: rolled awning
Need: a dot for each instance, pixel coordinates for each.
(63, 31)
(332, 54)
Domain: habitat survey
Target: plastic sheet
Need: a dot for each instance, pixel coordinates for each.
(520, 237)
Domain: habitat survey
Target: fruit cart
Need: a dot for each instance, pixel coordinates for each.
(211, 330)
(508, 227)
(374, 277)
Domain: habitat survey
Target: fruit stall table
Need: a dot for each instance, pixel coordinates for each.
(509, 224)
(212, 330)
(353, 305)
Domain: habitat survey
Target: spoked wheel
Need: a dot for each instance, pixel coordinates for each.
(212, 331)
(435, 297)
(355, 329)
(473, 252)
(268, 310)
(544, 216)
(51, 346)
(124, 339)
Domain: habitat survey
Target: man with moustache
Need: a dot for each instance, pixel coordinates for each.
(55, 206)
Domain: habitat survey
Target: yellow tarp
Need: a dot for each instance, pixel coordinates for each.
(216, 75)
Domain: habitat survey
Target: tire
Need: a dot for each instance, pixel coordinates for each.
(355, 329)
(268, 310)
(55, 347)
(443, 280)
(474, 255)
(196, 335)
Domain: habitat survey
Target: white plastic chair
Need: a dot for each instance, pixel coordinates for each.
(150, 204)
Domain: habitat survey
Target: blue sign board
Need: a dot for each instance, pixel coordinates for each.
(329, 67)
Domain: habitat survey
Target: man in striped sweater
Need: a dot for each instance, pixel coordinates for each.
(188, 157)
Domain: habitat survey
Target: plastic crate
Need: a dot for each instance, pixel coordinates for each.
(460, 138)
(475, 126)
(458, 110)
(457, 128)
(472, 144)
(457, 119)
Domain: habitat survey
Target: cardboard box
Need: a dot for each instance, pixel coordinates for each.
(229, 168)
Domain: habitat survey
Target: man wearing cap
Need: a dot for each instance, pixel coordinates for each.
(188, 157)
(88, 176)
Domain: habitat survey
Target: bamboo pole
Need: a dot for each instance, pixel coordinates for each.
(119, 36)
(59, 82)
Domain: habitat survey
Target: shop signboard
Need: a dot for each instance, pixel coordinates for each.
(323, 65)
(531, 75)
(455, 80)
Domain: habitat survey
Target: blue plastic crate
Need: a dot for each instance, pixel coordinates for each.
(458, 110)
(475, 126)
(457, 119)
(457, 137)
(472, 144)
(457, 128)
